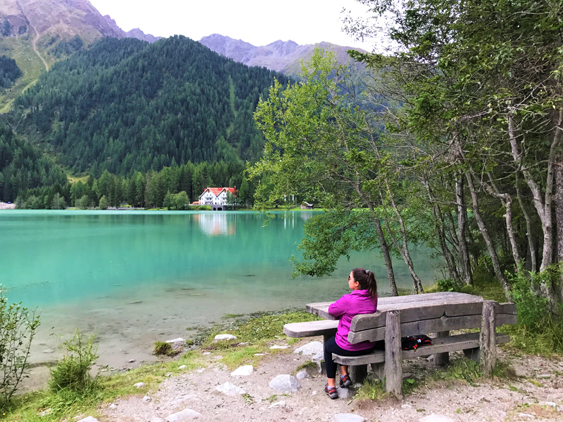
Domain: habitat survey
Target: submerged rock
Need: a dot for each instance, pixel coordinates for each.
(285, 384)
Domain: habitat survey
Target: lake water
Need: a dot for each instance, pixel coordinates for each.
(137, 277)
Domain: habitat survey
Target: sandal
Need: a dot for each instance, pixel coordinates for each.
(331, 392)
(345, 381)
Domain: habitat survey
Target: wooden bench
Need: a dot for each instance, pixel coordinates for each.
(403, 316)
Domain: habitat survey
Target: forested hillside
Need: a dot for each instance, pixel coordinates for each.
(9, 72)
(127, 105)
(24, 167)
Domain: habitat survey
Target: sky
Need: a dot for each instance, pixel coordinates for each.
(258, 22)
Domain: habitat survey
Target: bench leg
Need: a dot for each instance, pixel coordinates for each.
(393, 355)
(379, 370)
(488, 337)
(358, 373)
(472, 354)
(442, 359)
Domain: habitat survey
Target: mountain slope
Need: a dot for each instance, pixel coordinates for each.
(281, 56)
(126, 105)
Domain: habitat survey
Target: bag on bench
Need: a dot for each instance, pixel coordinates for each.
(414, 342)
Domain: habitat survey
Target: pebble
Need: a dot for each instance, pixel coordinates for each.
(88, 419)
(285, 384)
(314, 393)
(176, 340)
(343, 393)
(243, 371)
(206, 353)
(184, 415)
(275, 346)
(146, 399)
(406, 406)
(182, 367)
(113, 406)
(302, 374)
(225, 337)
(436, 418)
(230, 389)
(347, 417)
(259, 354)
(139, 385)
(131, 360)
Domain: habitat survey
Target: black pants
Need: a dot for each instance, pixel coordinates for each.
(331, 347)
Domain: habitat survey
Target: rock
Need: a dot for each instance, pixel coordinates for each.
(146, 399)
(302, 374)
(314, 393)
(544, 376)
(357, 385)
(46, 412)
(548, 403)
(182, 367)
(131, 360)
(347, 417)
(225, 337)
(139, 385)
(526, 416)
(285, 384)
(406, 406)
(176, 340)
(156, 419)
(281, 405)
(312, 348)
(259, 354)
(243, 371)
(48, 351)
(436, 418)
(113, 406)
(184, 415)
(88, 419)
(343, 393)
(230, 389)
(275, 346)
(206, 353)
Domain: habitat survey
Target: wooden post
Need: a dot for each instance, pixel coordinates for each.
(442, 359)
(358, 373)
(393, 354)
(379, 370)
(487, 339)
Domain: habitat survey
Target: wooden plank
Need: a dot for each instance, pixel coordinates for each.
(440, 345)
(507, 308)
(487, 339)
(414, 312)
(429, 326)
(310, 329)
(393, 355)
(391, 303)
(442, 359)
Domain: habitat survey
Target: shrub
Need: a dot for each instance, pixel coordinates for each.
(73, 370)
(18, 326)
(163, 348)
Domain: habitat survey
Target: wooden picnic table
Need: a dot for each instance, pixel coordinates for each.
(401, 316)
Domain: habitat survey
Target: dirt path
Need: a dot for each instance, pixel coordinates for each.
(34, 45)
(536, 394)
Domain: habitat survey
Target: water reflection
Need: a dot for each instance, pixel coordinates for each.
(216, 224)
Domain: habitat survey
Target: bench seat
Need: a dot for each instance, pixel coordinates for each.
(439, 345)
(311, 328)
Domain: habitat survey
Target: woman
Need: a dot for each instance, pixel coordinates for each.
(362, 300)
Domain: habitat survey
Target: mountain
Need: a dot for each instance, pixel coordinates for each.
(125, 105)
(281, 56)
(37, 33)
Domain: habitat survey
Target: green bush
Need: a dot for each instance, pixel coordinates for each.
(17, 329)
(73, 370)
(163, 348)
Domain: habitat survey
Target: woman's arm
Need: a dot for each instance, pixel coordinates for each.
(339, 307)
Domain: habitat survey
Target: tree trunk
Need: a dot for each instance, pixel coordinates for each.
(386, 257)
(487, 238)
(461, 227)
(529, 232)
(558, 201)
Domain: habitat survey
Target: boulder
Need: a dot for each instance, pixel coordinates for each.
(347, 417)
(436, 418)
(230, 389)
(302, 374)
(184, 415)
(285, 384)
(243, 371)
(225, 337)
(312, 348)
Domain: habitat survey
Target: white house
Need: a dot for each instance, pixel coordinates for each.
(216, 197)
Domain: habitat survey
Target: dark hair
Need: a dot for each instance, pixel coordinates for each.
(367, 281)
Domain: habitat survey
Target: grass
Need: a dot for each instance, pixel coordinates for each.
(67, 404)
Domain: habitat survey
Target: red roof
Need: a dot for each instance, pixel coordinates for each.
(217, 191)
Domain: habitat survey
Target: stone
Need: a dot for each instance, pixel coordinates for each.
(347, 417)
(176, 340)
(544, 376)
(281, 405)
(156, 419)
(526, 416)
(230, 389)
(131, 360)
(113, 406)
(88, 419)
(182, 367)
(302, 374)
(314, 393)
(225, 337)
(285, 384)
(139, 385)
(184, 415)
(48, 351)
(206, 353)
(259, 354)
(436, 418)
(275, 346)
(243, 371)
(146, 399)
(312, 348)
(343, 393)
(406, 406)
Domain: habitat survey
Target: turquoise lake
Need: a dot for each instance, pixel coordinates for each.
(137, 277)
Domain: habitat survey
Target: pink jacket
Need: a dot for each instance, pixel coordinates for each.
(346, 308)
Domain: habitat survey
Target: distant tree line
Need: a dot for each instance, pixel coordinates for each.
(172, 187)
(129, 106)
(9, 72)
